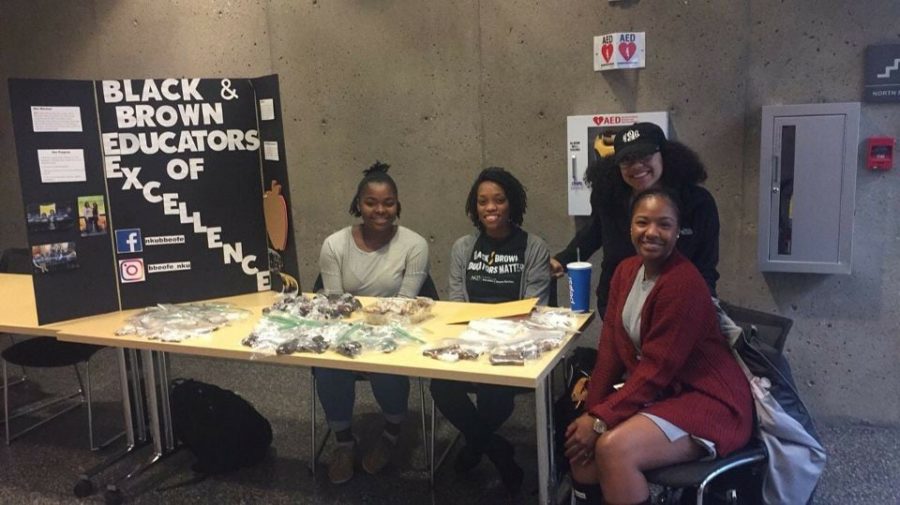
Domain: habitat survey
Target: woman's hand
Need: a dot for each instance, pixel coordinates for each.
(556, 268)
(580, 440)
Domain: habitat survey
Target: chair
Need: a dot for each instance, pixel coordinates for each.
(699, 476)
(45, 352)
(428, 289)
(770, 328)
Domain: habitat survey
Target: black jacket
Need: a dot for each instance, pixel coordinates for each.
(699, 240)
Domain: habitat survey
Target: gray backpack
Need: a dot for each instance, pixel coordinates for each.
(796, 457)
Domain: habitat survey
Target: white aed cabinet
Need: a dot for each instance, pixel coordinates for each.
(807, 186)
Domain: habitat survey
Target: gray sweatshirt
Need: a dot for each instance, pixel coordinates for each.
(535, 278)
(397, 269)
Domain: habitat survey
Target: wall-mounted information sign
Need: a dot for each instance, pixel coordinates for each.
(615, 51)
(882, 76)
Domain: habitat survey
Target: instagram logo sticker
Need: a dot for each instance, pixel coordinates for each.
(131, 270)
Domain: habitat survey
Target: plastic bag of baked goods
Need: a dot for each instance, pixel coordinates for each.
(359, 338)
(454, 349)
(398, 310)
(530, 346)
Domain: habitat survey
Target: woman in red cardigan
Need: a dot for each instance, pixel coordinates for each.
(684, 396)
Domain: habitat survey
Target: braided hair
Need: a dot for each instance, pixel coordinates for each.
(375, 174)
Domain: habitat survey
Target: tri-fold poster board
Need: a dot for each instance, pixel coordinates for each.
(140, 192)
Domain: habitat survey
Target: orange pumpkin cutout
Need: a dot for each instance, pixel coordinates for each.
(275, 211)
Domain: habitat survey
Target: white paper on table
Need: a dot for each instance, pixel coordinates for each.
(55, 119)
(267, 109)
(62, 165)
(270, 150)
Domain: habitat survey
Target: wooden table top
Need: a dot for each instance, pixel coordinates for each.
(18, 312)
(18, 315)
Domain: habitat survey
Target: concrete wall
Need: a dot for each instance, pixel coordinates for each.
(441, 89)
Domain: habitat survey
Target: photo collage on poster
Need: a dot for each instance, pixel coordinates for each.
(56, 257)
(58, 221)
(57, 225)
(91, 216)
(49, 217)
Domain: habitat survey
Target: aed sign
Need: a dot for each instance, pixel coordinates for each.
(619, 50)
(882, 77)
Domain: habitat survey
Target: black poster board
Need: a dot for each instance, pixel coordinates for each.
(140, 192)
(282, 255)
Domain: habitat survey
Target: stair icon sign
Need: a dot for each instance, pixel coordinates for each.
(889, 69)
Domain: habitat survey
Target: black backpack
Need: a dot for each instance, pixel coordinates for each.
(222, 429)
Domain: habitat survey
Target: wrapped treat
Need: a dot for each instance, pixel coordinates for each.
(350, 349)
(288, 346)
(316, 344)
(453, 350)
(508, 358)
(174, 323)
(553, 318)
(317, 308)
(398, 310)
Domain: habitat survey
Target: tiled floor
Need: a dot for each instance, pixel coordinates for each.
(43, 467)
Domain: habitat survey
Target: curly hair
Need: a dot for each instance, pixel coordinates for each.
(681, 167)
(514, 190)
(375, 174)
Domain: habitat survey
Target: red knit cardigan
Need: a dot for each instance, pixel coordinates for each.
(685, 372)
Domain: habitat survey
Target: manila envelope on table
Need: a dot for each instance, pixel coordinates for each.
(475, 311)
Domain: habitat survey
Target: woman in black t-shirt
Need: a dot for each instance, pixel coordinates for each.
(500, 262)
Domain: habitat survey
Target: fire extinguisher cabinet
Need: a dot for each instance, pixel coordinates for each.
(807, 187)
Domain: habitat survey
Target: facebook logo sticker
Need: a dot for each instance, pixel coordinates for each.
(129, 240)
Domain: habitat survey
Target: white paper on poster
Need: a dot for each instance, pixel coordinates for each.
(55, 119)
(270, 150)
(62, 165)
(176, 266)
(590, 138)
(620, 50)
(267, 109)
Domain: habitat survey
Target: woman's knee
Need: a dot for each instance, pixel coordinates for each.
(613, 448)
(332, 381)
(583, 474)
(441, 389)
(389, 382)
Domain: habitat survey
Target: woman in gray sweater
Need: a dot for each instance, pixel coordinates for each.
(500, 262)
(376, 257)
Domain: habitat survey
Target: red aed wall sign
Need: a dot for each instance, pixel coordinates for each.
(619, 50)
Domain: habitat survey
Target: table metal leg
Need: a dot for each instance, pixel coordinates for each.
(154, 366)
(161, 362)
(313, 456)
(424, 432)
(156, 380)
(134, 380)
(547, 484)
(133, 417)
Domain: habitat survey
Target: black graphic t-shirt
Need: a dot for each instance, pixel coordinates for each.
(494, 272)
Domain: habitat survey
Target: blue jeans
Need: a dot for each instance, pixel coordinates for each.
(337, 394)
